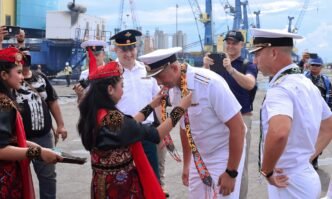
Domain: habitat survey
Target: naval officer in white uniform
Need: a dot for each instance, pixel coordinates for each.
(215, 120)
(97, 47)
(291, 116)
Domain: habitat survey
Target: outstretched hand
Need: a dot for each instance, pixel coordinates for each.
(156, 101)
(186, 100)
(50, 157)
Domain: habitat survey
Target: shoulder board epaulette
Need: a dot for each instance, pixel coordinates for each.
(6, 103)
(201, 78)
(113, 119)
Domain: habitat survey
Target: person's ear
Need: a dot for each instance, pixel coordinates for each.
(110, 90)
(4, 75)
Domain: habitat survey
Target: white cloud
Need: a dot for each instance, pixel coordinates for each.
(318, 41)
(278, 6)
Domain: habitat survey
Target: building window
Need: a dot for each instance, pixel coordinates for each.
(8, 20)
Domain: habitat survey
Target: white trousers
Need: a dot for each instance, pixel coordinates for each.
(216, 165)
(329, 191)
(302, 183)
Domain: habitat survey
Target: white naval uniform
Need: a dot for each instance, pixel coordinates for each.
(84, 74)
(213, 104)
(138, 91)
(295, 96)
(329, 191)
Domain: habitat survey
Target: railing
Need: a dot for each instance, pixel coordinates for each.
(87, 34)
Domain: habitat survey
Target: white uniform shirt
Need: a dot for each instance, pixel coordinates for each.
(213, 104)
(295, 96)
(84, 75)
(138, 91)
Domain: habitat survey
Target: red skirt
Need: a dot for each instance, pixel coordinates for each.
(120, 185)
(10, 180)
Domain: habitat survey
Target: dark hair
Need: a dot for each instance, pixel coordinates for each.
(96, 98)
(7, 67)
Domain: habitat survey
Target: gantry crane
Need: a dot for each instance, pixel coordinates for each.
(206, 19)
(139, 45)
(133, 16)
(299, 19)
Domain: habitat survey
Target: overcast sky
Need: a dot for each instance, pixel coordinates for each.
(316, 25)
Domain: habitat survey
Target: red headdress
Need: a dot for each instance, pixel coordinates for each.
(97, 72)
(12, 55)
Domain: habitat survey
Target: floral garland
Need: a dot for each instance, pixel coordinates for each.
(276, 81)
(199, 163)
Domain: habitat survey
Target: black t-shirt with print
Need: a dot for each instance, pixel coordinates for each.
(33, 98)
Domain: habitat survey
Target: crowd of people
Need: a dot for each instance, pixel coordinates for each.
(125, 134)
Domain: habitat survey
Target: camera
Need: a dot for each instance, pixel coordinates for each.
(313, 55)
(12, 31)
(84, 83)
(218, 66)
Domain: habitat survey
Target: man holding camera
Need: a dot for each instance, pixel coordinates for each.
(97, 47)
(240, 75)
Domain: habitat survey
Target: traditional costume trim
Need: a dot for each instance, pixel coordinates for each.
(113, 119)
(176, 115)
(34, 153)
(28, 190)
(150, 184)
(146, 111)
(6, 104)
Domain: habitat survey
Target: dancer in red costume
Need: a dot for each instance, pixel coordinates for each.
(15, 151)
(120, 167)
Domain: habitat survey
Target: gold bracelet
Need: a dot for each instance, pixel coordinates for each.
(33, 152)
(176, 114)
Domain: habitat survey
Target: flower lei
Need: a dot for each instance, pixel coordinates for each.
(199, 163)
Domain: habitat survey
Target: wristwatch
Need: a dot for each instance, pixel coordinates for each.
(266, 175)
(232, 173)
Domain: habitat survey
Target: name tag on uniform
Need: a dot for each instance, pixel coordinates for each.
(194, 104)
(145, 77)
